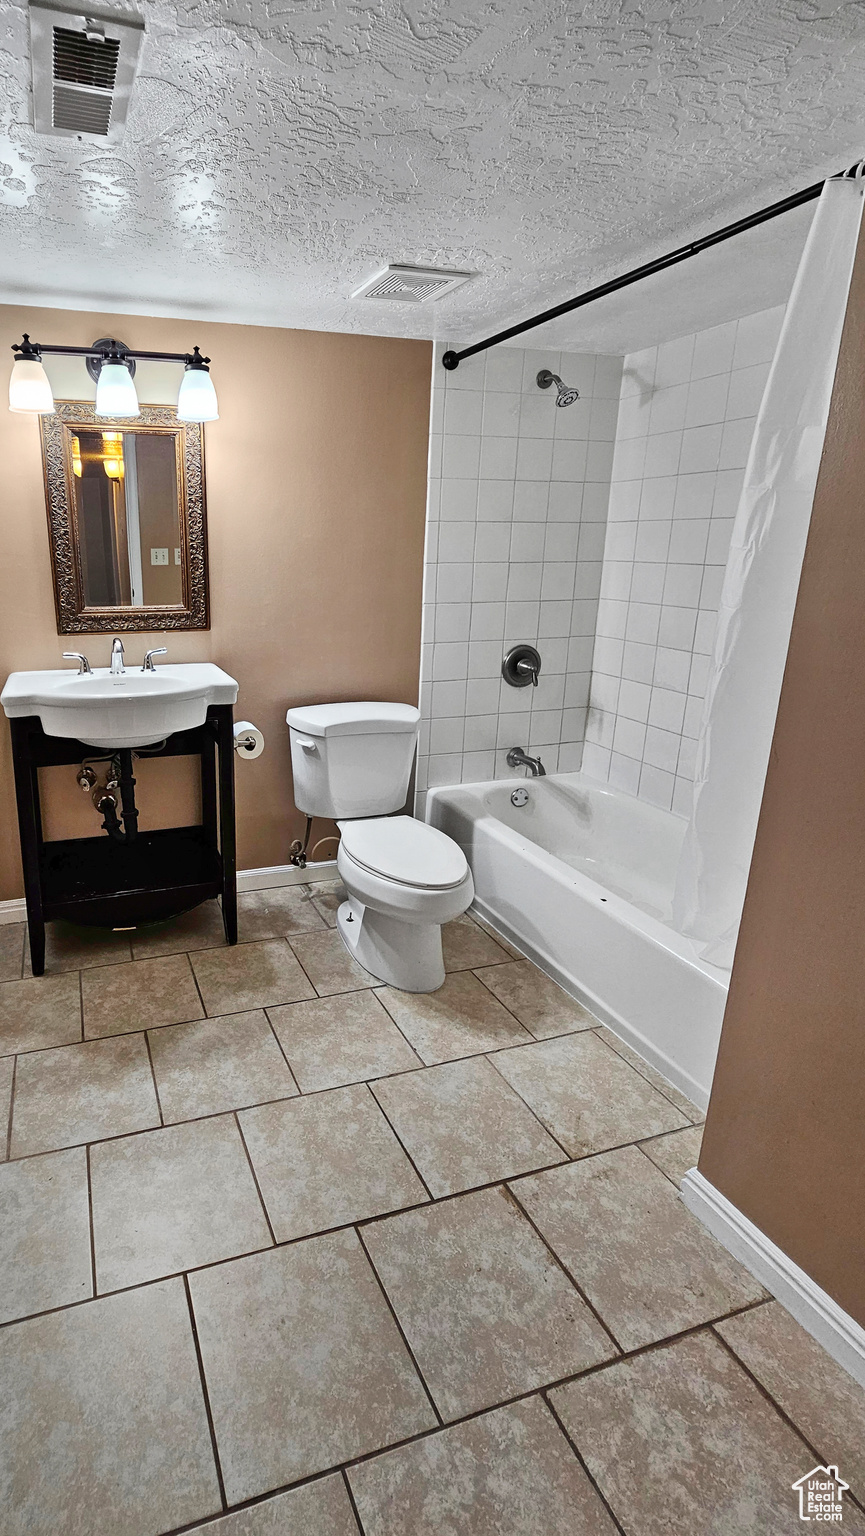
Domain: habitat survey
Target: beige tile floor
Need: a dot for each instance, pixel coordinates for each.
(284, 1252)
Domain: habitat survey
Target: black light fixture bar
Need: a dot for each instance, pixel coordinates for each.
(105, 352)
(452, 359)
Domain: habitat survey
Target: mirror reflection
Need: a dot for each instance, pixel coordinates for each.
(127, 510)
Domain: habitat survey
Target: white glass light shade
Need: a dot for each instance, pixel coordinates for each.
(29, 389)
(115, 391)
(196, 399)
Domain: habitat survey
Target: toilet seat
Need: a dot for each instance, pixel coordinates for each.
(405, 851)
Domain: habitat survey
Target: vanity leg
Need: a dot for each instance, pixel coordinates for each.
(30, 830)
(225, 746)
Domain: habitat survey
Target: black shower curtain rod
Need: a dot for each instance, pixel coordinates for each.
(452, 360)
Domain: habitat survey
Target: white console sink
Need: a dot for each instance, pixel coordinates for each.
(129, 709)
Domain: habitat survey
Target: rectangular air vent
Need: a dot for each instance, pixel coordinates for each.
(410, 285)
(83, 70)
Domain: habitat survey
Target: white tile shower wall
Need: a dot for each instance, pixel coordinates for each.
(517, 510)
(686, 418)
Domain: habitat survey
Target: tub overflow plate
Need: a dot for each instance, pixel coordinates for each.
(519, 797)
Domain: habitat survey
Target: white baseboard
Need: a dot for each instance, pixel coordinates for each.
(15, 911)
(841, 1336)
(284, 874)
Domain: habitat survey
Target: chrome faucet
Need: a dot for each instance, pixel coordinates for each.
(83, 664)
(158, 650)
(117, 667)
(519, 758)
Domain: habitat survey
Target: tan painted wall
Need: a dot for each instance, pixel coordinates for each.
(785, 1136)
(316, 486)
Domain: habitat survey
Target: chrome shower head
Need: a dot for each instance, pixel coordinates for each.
(564, 395)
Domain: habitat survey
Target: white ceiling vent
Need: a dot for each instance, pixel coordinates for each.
(83, 69)
(410, 285)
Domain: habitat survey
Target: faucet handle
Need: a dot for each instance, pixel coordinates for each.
(158, 650)
(83, 664)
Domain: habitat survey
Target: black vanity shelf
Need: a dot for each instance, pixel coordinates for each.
(97, 881)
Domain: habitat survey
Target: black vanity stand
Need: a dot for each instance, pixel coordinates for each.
(95, 880)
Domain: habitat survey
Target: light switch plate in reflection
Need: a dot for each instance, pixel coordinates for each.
(159, 557)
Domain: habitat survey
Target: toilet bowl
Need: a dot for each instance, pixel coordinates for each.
(404, 879)
(352, 762)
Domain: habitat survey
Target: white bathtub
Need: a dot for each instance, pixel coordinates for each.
(581, 879)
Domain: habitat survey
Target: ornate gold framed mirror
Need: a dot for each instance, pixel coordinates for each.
(126, 519)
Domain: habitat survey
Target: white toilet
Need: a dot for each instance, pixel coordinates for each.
(352, 763)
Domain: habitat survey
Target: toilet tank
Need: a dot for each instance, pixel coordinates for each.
(352, 760)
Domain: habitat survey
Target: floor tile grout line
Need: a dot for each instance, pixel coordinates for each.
(397, 1026)
(664, 1092)
(8, 1143)
(313, 1093)
(153, 1076)
(389, 1123)
(564, 1269)
(641, 1147)
(81, 1003)
(282, 1051)
(392, 1309)
(255, 1178)
(231, 1013)
(352, 1501)
(533, 1112)
(90, 1223)
(188, 953)
(773, 1401)
(468, 1418)
(205, 1393)
(551, 1409)
(318, 994)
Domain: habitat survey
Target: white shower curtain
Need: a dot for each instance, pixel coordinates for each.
(761, 583)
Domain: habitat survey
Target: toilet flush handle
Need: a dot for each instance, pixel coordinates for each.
(307, 742)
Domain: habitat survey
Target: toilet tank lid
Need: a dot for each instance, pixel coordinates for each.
(366, 719)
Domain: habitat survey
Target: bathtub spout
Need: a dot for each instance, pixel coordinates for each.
(519, 758)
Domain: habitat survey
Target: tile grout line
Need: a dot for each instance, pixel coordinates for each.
(90, 1221)
(81, 1003)
(236, 1118)
(579, 1456)
(662, 1091)
(318, 995)
(281, 1048)
(383, 1112)
(564, 1268)
(351, 1499)
(205, 1394)
(553, 1137)
(153, 1076)
(397, 1026)
(391, 1308)
(773, 1401)
(8, 1157)
(188, 953)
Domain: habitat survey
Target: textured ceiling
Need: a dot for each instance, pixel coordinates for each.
(278, 152)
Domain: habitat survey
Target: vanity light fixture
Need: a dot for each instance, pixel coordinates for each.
(115, 389)
(112, 365)
(196, 398)
(29, 387)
